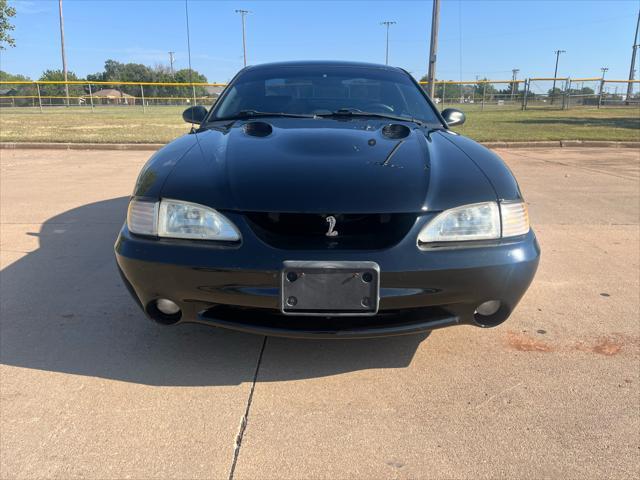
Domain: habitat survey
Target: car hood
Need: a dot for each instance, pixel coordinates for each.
(326, 166)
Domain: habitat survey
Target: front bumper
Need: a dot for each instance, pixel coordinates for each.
(238, 287)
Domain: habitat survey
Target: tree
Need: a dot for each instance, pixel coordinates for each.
(9, 77)
(196, 77)
(58, 90)
(555, 92)
(122, 72)
(115, 71)
(6, 12)
(582, 91)
(484, 88)
(488, 89)
(18, 90)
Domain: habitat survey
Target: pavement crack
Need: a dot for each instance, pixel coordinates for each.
(245, 417)
(501, 392)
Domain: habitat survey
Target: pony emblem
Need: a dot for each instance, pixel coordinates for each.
(331, 220)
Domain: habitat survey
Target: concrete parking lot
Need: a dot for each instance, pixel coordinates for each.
(90, 388)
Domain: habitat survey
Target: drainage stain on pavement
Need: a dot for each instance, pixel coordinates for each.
(526, 343)
(608, 345)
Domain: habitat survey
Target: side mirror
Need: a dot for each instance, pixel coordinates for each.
(453, 116)
(194, 114)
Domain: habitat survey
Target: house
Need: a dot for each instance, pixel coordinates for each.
(8, 92)
(112, 96)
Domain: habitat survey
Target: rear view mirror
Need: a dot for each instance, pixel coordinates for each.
(453, 116)
(195, 114)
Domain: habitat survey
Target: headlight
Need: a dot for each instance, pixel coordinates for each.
(187, 220)
(178, 219)
(480, 221)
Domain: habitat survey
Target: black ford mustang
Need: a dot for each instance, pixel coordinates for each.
(326, 199)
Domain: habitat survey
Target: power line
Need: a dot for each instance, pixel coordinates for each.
(387, 23)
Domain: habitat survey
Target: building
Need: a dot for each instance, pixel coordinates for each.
(111, 96)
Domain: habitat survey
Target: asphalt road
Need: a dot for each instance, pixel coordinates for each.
(91, 389)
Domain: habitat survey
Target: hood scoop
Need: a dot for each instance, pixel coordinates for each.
(258, 129)
(396, 131)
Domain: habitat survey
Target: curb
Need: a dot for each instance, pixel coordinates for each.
(563, 144)
(157, 146)
(80, 146)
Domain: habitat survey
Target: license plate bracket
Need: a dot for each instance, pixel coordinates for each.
(330, 288)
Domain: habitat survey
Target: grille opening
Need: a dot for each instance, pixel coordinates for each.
(264, 318)
(297, 231)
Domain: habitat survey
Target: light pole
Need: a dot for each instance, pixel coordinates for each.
(433, 49)
(64, 56)
(514, 84)
(555, 73)
(632, 68)
(243, 14)
(387, 23)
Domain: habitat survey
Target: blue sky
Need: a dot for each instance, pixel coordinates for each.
(486, 38)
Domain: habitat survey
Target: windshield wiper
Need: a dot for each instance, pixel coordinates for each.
(354, 112)
(243, 114)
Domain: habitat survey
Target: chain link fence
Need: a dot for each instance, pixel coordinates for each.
(481, 94)
(560, 93)
(44, 95)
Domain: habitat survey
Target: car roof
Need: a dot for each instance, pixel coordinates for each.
(327, 63)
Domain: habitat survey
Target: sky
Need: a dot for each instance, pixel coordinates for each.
(483, 38)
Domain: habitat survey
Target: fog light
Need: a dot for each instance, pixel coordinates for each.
(488, 308)
(167, 306)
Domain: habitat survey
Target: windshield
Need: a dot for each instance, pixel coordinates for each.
(321, 89)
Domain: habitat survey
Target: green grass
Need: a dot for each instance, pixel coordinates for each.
(162, 124)
(80, 124)
(617, 124)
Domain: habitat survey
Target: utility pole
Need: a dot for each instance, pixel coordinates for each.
(555, 73)
(186, 17)
(604, 71)
(387, 23)
(171, 60)
(514, 84)
(433, 50)
(474, 90)
(64, 56)
(243, 14)
(632, 69)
